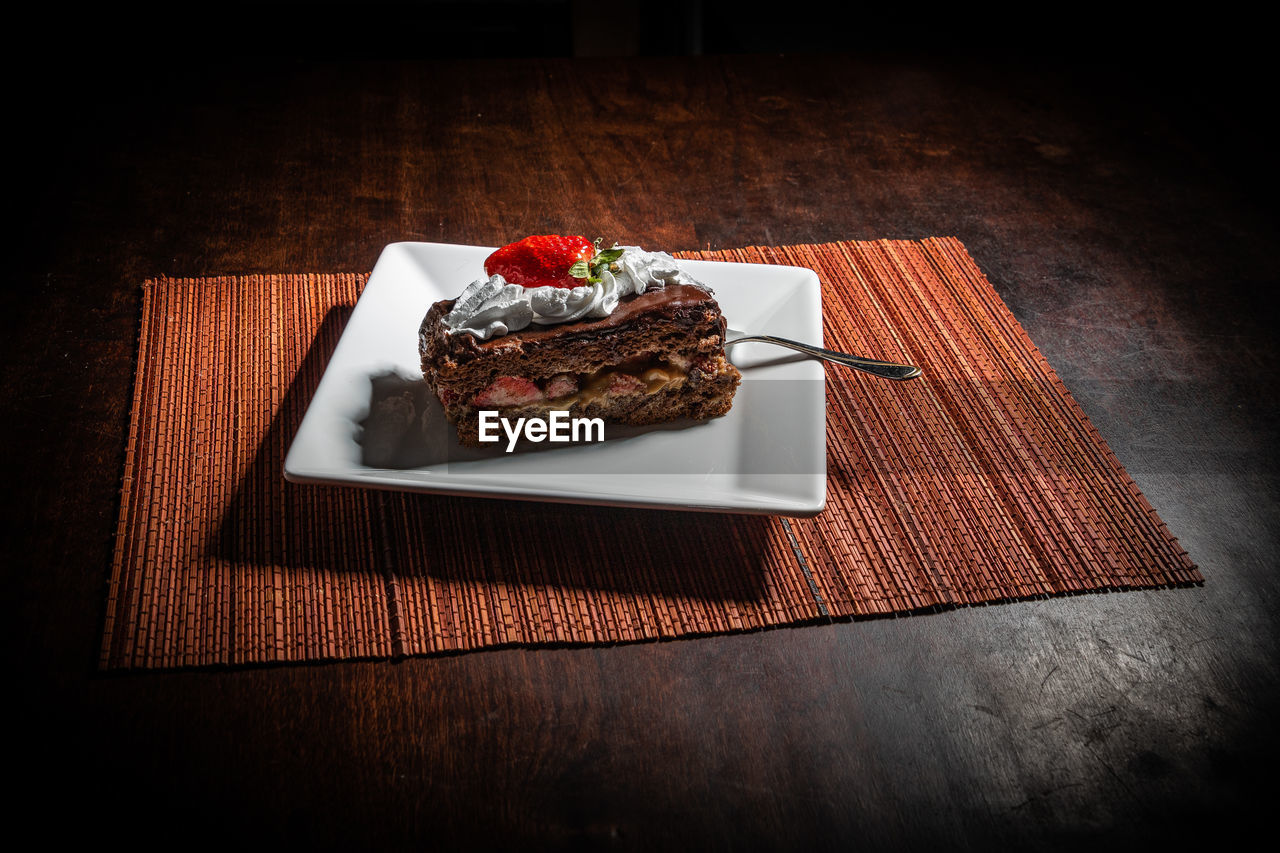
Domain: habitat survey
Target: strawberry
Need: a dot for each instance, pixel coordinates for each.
(508, 391)
(550, 259)
(624, 384)
(562, 385)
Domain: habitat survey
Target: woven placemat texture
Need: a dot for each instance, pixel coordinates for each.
(982, 481)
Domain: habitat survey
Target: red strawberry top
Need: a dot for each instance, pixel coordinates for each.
(549, 259)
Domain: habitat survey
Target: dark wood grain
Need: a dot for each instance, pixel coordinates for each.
(1127, 222)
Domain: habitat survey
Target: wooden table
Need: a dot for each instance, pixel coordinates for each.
(1123, 218)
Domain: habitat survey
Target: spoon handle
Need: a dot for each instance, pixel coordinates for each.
(883, 369)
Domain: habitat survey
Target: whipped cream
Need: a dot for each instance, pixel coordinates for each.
(493, 307)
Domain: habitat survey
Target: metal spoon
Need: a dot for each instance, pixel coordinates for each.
(883, 369)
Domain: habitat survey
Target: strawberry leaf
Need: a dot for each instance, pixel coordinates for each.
(601, 262)
(590, 270)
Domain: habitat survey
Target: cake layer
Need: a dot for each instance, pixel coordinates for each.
(706, 390)
(680, 320)
(678, 306)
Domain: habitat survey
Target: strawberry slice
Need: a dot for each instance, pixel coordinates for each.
(562, 385)
(550, 259)
(508, 391)
(624, 384)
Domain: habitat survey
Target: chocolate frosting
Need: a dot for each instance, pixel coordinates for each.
(663, 301)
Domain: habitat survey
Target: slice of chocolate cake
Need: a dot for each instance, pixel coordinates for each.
(647, 348)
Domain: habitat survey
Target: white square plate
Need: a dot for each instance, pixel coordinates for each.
(373, 423)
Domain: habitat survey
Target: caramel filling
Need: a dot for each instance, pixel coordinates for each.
(621, 380)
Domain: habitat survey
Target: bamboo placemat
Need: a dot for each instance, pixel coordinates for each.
(982, 481)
